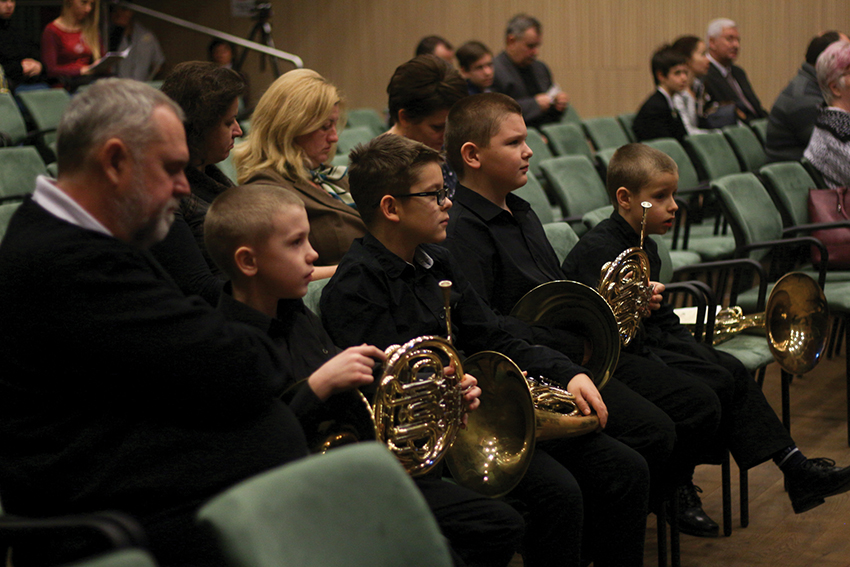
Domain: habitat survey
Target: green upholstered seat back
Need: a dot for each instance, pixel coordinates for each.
(354, 506)
(605, 132)
(566, 139)
(688, 177)
(533, 192)
(746, 146)
(750, 210)
(19, 166)
(540, 150)
(790, 184)
(712, 155)
(576, 183)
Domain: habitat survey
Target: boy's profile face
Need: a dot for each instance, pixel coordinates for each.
(660, 192)
(285, 259)
(480, 73)
(505, 160)
(421, 219)
(676, 79)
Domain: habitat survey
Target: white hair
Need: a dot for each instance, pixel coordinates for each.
(716, 27)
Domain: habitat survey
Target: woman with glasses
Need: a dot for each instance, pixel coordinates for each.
(292, 140)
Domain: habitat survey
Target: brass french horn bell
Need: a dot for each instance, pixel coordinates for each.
(573, 305)
(624, 283)
(796, 321)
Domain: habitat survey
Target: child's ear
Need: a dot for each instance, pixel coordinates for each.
(389, 208)
(246, 261)
(624, 199)
(659, 76)
(470, 155)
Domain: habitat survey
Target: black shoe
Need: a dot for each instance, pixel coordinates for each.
(815, 480)
(692, 518)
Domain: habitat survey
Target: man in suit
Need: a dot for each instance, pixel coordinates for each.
(658, 117)
(725, 81)
(522, 77)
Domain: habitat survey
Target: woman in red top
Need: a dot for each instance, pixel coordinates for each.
(71, 42)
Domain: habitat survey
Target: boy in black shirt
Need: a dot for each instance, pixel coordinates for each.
(258, 237)
(503, 251)
(658, 117)
(749, 426)
(386, 289)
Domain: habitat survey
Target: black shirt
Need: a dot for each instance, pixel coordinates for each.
(378, 298)
(603, 244)
(504, 256)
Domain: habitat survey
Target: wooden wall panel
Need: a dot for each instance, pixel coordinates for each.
(598, 51)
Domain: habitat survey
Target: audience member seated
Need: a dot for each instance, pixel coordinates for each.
(207, 94)
(291, 143)
(692, 101)
(118, 392)
(725, 81)
(258, 236)
(749, 427)
(421, 92)
(222, 53)
(476, 66)
(436, 45)
(829, 146)
(18, 54)
(792, 117)
(145, 59)
(658, 117)
(577, 491)
(522, 77)
(71, 43)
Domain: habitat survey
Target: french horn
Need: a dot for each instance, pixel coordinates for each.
(418, 409)
(796, 322)
(624, 284)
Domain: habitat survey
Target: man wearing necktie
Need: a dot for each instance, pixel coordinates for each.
(725, 81)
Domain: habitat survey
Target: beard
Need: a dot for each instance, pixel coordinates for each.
(147, 224)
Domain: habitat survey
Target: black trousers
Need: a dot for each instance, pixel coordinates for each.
(749, 427)
(482, 532)
(691, 407)
(575, 495)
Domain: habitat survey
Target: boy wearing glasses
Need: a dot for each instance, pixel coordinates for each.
(386, 290)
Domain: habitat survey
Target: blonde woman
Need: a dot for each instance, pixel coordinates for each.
(71, 43)
(292, 139)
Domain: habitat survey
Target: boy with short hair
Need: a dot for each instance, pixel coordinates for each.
(258, 235)
(749, 426)
(386, 288)
(658, 117)
(503, 250)
(476, 66)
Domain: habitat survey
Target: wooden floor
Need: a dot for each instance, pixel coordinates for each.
(776, 537)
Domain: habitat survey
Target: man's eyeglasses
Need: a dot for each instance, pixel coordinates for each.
(441, 195)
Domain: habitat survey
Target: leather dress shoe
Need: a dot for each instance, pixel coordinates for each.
(815, 480)
(692, 518)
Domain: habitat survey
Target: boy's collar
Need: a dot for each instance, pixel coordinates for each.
(393, 264)
(234, 309)
(484, 207)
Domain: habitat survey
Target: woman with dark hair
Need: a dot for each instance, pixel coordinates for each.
(420, 94)
(208, 95)
(691, 102)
